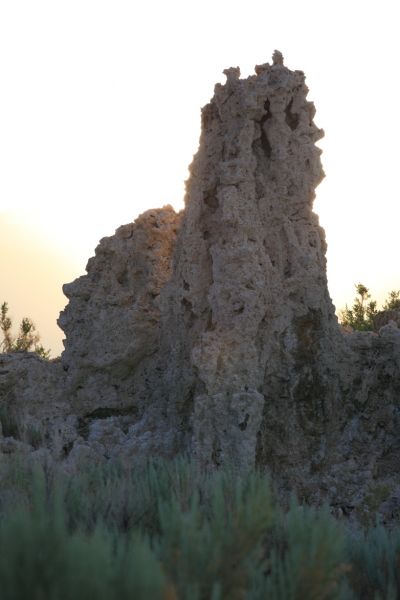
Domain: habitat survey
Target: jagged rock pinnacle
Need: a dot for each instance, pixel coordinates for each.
(232, 73)
(277, 58)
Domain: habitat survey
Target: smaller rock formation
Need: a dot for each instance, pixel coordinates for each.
(384, 317)
(32, 410)
(111, 321)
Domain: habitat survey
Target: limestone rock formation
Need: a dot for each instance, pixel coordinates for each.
(248, 300)
(117, 299)
(212, 331)
(111, 321)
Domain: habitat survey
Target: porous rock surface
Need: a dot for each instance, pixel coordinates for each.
(112, 319)
(212, 331)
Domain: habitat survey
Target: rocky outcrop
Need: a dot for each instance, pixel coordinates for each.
(33, 413)
(384, 317)
(212, 331)
(112, 320)
(362, 478)
(247, 308)
(113, 312)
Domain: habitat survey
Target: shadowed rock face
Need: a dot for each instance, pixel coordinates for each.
(247, 307)
(212, 331)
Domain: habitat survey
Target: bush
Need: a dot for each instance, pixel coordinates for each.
(375, 560)
(163, 529)
(42, 557)
(309, 561)
(27, 339)
(361, 316)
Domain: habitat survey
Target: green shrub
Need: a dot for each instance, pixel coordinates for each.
(306, 559)
(375, 557)
(206, 545)
(33, 436)
(41, 558)
(163, 529)
(27, 339)
(361, 315)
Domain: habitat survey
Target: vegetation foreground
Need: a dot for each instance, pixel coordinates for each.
(162, 530)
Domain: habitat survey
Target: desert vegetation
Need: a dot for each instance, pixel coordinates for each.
(161, 529)
(364, 309)
(26, 340)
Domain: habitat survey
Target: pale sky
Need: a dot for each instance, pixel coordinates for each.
(100, 116)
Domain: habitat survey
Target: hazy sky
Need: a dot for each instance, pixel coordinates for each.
(100, 116)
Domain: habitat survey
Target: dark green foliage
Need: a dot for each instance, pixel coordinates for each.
(209, 538)
(27, 339)
(41, 557)
(306, 561)
(375, 558)
(361, 315)
(33, 436)
(9, 425)
(392, 301)
(164, 530)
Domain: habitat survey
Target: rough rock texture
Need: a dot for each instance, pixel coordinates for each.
(32, 410)
(247, 304)
(384, 317)
(212, 332)
(117, 299)
(363, 476)
(111, 321)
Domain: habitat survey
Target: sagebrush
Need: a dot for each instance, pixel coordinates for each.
(164, 529)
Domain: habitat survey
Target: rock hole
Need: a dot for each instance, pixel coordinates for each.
(67, 448)
(105, 412)
(216, 454)
(265, 144)
(122, 277)
(210, 323)
(292, 119)
(187, 304)
(210, 199)
(243, 424)
(267, 105)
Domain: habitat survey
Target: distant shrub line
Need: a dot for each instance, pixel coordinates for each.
(162, 530)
